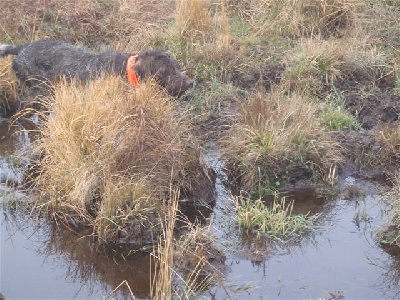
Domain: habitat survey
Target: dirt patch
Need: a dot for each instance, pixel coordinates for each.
(383, 106)
(267, 75)
(374, 104)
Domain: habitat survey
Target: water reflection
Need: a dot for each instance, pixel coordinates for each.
(44, 260)
(61, 263)
(13, 139)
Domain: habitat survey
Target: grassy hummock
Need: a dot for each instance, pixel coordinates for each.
(110, 155)
(276, 135)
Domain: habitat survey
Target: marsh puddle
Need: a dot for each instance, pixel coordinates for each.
(42, 261)
(341, 261)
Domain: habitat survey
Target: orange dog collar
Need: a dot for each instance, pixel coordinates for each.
(130, 72)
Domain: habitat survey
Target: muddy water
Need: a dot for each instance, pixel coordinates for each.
(43, 261)
(341, 260)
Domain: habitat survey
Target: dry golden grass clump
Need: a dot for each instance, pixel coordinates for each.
(8, 88)
(202, 28)
(305, 18)
(111, 154)
(193, 17)
(277, 136)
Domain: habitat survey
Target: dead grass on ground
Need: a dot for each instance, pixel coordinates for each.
(88, 22)
(306, 18)
(110, 155)
(315, 65)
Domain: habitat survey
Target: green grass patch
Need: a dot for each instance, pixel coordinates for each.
(337, 120)
(276, 221)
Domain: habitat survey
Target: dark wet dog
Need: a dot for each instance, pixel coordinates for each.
(48, 61)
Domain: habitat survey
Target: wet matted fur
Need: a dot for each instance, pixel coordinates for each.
(46, 61)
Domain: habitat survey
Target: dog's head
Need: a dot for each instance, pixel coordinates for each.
(165, 69)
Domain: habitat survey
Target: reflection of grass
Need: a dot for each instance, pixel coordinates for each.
(275, 221)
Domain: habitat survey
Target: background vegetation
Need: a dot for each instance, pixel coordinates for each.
(291, 90)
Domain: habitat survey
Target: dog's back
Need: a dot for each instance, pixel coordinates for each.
(50, 60)
(46, 61)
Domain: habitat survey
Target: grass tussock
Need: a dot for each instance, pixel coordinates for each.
(318, 65)
(276, 221)
(276, 132)
(334, 115)
(193, 18)
(111, 155)
(8, 88)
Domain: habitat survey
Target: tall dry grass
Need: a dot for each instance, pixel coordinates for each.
(202, 26)
(278, 135)
(183, 258)
(109, 154)
(162, 280)
(9, 101)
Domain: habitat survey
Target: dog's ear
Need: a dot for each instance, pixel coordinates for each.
(138, 62)
(138, 66)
